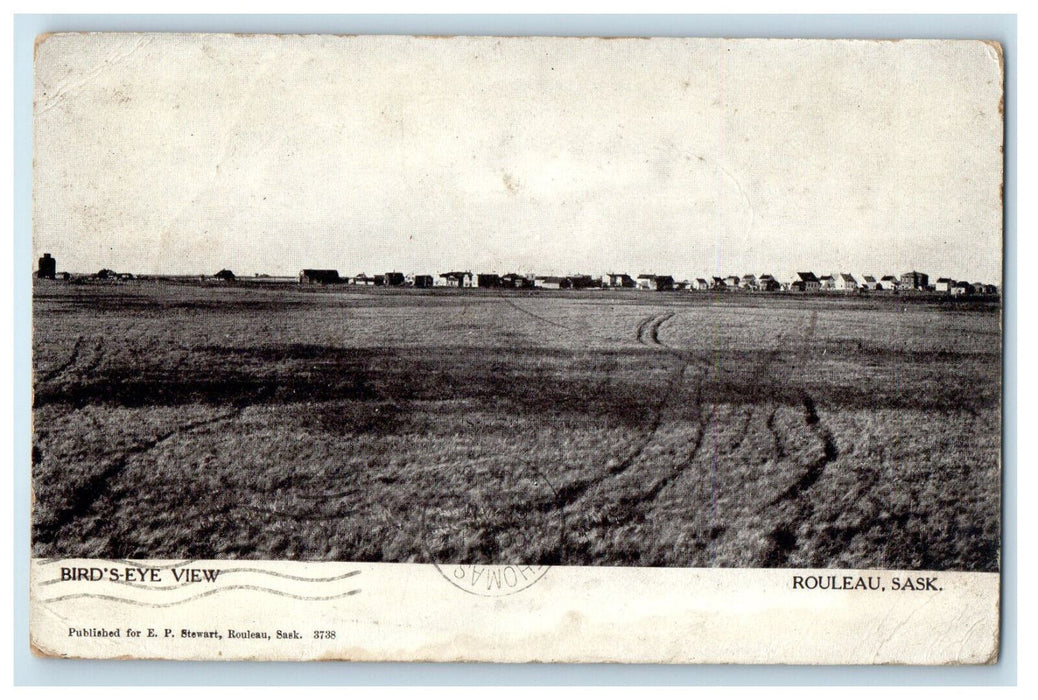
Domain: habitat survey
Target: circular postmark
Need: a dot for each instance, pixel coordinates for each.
(492, 579)
(499, 536)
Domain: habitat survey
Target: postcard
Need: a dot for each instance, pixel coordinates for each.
(665, 350)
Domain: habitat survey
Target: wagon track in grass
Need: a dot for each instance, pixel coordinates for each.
(783, 539)
(573, 494)
(71, 360)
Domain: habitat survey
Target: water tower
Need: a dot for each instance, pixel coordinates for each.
(48, 267)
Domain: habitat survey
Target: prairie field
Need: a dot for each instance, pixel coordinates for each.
(182, 420)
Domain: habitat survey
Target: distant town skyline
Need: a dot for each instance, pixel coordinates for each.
(780, 276)
(175, 154)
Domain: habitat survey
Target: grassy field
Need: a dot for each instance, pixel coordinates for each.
(634, 428)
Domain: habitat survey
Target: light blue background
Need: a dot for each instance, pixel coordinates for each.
(29, 670)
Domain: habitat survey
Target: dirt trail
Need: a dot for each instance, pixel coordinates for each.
(72, 358)
(783, 538)
(615, 487)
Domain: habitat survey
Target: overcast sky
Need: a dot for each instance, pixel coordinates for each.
(188, 154)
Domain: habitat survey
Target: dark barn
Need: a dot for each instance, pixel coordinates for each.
(583, 281)
(488, 281)
(319, 277)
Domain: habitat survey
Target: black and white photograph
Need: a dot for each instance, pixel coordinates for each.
(519, 303)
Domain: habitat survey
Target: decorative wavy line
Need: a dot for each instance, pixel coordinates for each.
(132, 584)
(258, 589)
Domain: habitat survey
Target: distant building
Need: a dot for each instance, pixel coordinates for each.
(105, 274)
(702, 284)
(806, 282)
(319, 277)
(732, 281)
(552, 282)
(944, 285)
(362, 279)
(582, 281)
(621, 280)
(394, 279)
(513, 280)
(659, 283)
(890, 282)
(718, 283)
(461, 280)
(845, 282)
(961, 289)
(47, 268)
(915, 280)
(768, 283)
(225, 275)
(748, 282)
(827, 282)
(488, 281)
(423, 281)
(870, 282)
